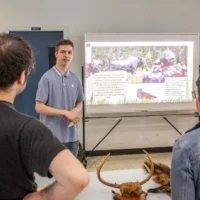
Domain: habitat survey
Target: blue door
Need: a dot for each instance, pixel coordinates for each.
(43, 43)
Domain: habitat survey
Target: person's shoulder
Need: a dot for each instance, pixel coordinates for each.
(72, 74)
(48, 74)
(34, 124)
(193, 133)
(35, 130)
(20, 117)
(24, 121)
(190, 139)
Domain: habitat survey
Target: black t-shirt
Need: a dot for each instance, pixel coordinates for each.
(26, 146)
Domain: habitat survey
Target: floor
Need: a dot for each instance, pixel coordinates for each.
(126, 161)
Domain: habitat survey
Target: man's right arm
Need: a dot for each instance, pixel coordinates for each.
(42, 96)
(41, 108)
(44, 154)
(71, 178)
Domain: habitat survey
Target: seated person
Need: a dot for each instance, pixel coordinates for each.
(185, 167)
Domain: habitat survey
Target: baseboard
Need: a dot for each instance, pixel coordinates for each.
(129, 151)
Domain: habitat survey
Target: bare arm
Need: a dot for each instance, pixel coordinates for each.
(41, 108)
(71, 178)
(78, 106)
(75, 111)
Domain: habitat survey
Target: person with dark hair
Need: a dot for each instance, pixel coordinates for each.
(26, 144)
(59, 98)
(185, 166)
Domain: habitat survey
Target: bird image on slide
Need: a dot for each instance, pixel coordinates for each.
(144, 95)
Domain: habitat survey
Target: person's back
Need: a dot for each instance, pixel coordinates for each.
(18, 157)
(26, 144)
(185, 170)
(12, 165)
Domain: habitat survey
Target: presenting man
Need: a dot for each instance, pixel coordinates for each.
(59, 98)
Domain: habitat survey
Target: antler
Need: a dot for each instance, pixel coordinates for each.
(150, 171)
(99, 176)
(119, 185)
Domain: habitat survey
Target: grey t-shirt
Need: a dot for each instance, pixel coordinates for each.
(60, 92)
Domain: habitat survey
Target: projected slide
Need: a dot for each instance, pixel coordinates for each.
(139, 72)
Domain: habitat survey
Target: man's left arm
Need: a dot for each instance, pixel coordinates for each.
(78, 106)
(80, 98)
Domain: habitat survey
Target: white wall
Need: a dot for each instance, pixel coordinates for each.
(78, 17)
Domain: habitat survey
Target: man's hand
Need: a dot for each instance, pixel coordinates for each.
(71, 115)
